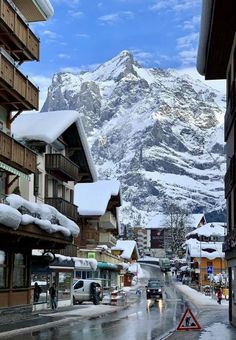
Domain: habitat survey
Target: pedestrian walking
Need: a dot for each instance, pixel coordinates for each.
(53, 296)
(219, 295)
(37, 292)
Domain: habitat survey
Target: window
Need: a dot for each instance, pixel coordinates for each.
(3, 269)
(79, 284)
(19, 271)
(64, 286)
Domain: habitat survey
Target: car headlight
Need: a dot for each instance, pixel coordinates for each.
(159, 290)
(148, 290)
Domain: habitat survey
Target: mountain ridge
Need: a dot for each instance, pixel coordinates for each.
(158, 132)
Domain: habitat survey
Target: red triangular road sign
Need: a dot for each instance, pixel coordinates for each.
(188, 322)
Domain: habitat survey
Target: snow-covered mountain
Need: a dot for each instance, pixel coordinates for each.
(160, 133)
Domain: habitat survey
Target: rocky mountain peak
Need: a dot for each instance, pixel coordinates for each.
(160, 133)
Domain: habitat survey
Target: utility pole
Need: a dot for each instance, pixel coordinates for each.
(200, 281)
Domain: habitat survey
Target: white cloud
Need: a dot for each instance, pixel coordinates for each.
(193, 23)
(175, 5)
(50, 34)
(83, 35)
(142, 56)
(114, 18)
(69, 3)
(188, 57)
(82, 68)
(188, 41)
(75, 14)
(63, 56)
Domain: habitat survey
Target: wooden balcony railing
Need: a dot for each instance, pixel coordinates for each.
(230, 176)
(16, 36)
(90, 236)
(61, 167)
(16, 91)
(66, 208)
(107, 238)
(17, 155)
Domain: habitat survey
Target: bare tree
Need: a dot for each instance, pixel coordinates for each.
(177, 223)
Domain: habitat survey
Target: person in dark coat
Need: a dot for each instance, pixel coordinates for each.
(53, 296)
(37, 292)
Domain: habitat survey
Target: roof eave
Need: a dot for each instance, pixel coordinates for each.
(216, 37)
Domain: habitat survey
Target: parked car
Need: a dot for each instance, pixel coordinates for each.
(87, 290)
(154, 290)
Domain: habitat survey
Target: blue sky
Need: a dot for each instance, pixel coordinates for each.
(85, 33)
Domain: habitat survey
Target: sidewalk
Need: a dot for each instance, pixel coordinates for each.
(213, 318)
(49, 318)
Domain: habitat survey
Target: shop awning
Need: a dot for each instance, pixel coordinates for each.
(107, 265)
(13, 171)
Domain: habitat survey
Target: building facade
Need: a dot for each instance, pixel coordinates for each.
(217, 60)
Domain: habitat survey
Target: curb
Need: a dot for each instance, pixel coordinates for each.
(66, 319)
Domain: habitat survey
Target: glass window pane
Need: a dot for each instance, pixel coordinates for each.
(19, 271)
(3, 269)
(64, 286)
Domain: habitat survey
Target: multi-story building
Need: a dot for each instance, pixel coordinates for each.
(159, 233)
(140, 236)
(63, 159)
(98, 205)
(17, 161)
(204, 252)
(217, 60)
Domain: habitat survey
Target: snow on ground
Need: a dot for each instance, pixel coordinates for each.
(213, 332)
(197, 298)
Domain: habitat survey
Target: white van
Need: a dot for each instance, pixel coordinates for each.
(87, 290)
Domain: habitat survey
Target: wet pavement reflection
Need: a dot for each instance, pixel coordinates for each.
(144, 320)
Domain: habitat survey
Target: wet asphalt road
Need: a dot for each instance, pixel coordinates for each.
(144, 320)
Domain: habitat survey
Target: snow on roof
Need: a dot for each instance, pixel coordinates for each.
(81, 262)
(158, 221)
(195, 219)
(92, 198)
(148, 258)
(46, 215)
(199, 249)
(46, 7)
(210, 229)
(35, 126)
(161, 221)
(127, 246)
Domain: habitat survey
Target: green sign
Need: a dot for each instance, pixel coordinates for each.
(91, 255)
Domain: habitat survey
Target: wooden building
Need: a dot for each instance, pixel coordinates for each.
(217, 60)
(98, 205)
(17, 93)
(63, 159)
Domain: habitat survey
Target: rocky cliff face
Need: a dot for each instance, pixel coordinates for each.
(159, 133)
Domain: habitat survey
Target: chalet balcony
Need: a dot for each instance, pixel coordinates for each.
(107, 238)
(16, 91)
(230, 176)
(61, 167)
(108, 221)
(90, 236)
(16, 155)
(64, 207)
(16, 37)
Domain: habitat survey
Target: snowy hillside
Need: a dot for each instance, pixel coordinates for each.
(159, 133)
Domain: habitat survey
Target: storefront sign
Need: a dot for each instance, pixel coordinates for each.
(91, 255)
